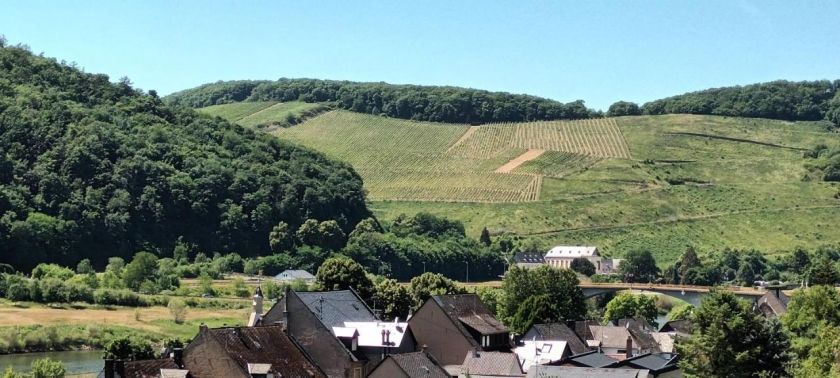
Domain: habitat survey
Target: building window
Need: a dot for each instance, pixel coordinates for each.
(357, 372)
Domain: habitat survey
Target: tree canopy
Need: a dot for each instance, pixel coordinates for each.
(793, 101)
(417, 102)
(91, 169)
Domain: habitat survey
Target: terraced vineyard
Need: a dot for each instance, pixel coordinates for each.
(421, 161)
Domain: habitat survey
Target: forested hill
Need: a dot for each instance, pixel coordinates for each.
(93, 169)
(786, 100)
(423, 103)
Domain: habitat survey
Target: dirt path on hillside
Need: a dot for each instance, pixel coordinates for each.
(467, 135)
(519, 160)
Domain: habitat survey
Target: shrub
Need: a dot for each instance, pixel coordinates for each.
(117, 298)
(178, 310)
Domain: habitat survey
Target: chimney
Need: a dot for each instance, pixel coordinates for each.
(383, 337)
(178, 356)
(120, 368)
(388, 337)
(109, 368)
(423, 348)
(629, 346)
(475, 353)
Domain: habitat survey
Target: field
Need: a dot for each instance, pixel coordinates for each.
(419, 161)
(260, 113)
(656, 182)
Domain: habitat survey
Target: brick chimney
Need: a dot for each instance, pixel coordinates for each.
(629, 351)
(178, 357)
(109, 368)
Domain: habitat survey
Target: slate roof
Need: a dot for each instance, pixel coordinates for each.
(560, 331)
(467, 310)
(148, 368)
(491, 363)
(641, 332)
(610, 336)
(655, 362)
(678, 326)
(770, 305)
(262, 345)
(582, 328)
(583, 372)
(419, 364)
(337, 307)
(529, 258)
(590, 359)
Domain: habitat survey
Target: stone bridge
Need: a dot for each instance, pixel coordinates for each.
(688, 293)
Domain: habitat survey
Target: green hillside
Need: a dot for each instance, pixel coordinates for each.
(265, 113)
(660, 182)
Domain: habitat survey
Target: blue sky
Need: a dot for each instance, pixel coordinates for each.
(598, 51)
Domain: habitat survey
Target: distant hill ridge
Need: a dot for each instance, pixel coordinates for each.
(785, 100)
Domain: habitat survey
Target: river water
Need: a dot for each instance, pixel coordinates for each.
(75, 362)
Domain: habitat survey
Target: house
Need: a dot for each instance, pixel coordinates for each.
(677, 327)
(247, 352)
(376, 339)
(543, 371)
(290, 275)
(660, 365)
(409, 365)
(620, 342)
(159, 368)
(452, 325)
(481, 364)
(770, 305)
(529, 259)
(540, 352)
(562, 257)
(556, 332)
(310, 319)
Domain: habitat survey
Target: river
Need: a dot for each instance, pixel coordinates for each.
(75, 362)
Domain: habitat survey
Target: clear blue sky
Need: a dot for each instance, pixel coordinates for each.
(598, 51)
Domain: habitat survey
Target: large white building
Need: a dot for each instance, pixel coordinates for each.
(561, 256)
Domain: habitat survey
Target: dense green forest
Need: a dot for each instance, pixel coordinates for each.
(422, 103)
(93, 169)
(786, 100)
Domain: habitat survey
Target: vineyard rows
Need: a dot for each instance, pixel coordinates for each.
(593, 137)
(423, 161)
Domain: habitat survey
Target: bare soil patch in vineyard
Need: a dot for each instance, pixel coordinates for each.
(519, 160)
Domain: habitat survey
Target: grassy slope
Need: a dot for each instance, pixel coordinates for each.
(251, 114)
(739, 194)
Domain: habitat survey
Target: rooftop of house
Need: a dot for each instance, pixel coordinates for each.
(560, 331)
(589, 359)
(529, 258)
(770, 305)
(491, 363)
(419, 364)
(265, 348)
(566, 251)
(151, 368)
(292, 274)
(334, 308)
(467, 310)
(655, 362)
(584, 372)
(370, 333)
(641, 331)
(538, 352)
(610, 336)
(677, 326)
(665, 340)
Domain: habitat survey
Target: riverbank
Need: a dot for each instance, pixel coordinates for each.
(39, 328)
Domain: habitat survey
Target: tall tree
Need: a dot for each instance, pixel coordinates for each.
(341, 273)
(639, 266)
(626, 305)
(731, 340)
(559, 285)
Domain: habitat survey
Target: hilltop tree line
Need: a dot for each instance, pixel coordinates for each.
(422, 103)
(786, 100)
(94, 169)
